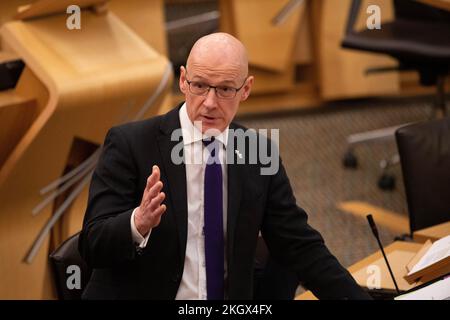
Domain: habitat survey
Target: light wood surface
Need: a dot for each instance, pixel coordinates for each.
(226, 19)
(145, 18)
(333, 72)
(269, 46)
(303, 51)
(398, 253)
(83, 82)
(16, 114)
(383, 217)
(266, 81)
(8, 9)
(10, 98)
(432, 233)
(302, 96)
(46, 7)
(7, 56)
(342, 71)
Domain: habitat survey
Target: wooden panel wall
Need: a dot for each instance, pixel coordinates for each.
(342, 71)
(82, 82)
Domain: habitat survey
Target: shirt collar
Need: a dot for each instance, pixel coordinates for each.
(192, 134)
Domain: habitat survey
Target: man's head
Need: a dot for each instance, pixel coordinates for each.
(218, 60)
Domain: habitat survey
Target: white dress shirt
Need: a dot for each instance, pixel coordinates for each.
(193, 282)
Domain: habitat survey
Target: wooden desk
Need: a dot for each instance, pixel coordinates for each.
(80, 83)
(398, 253)
(432, 233)
(7, 56)
(17, 113)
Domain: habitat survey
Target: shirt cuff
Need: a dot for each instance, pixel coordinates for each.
(138, 239)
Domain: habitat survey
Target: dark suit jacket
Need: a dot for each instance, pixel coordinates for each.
(255, 202)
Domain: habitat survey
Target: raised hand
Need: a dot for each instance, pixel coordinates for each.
(149, 213)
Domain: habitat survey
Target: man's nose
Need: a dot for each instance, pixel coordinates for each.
(211, 99)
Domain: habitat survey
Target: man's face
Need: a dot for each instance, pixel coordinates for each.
(214, 112)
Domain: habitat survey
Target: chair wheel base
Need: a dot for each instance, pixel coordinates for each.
(386, 182)
(350, 161)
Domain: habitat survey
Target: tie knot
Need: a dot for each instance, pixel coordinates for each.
(208, 141)
(212, 145)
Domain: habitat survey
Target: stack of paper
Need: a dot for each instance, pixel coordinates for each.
(433, 263)
(440, 290)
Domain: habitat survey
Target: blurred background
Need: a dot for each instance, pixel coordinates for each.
(337, 78)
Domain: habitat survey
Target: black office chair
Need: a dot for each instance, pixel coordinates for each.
(271, 281)
(10, 72)
(424, 150)
(419, 39)
(67, 263)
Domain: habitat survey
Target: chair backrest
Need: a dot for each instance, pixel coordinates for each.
(352, 16)
(403, 9)
(71, 273)
(414, 10)
(424, 150)
(417, 38)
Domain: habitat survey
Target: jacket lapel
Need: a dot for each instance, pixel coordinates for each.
(176, 176)
(236, 177)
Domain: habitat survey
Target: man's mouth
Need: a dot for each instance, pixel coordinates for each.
(209, 118)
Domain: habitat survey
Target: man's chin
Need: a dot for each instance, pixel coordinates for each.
(211, 129)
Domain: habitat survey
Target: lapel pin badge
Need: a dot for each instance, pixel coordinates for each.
(238, 154)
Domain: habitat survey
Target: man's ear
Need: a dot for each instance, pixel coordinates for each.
(182, 82)
(247, 88)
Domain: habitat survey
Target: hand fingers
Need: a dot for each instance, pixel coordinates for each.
(159, 211)
(154, 191)
(151, 220)
(156, 201)
(157, 215)
(153, 178)
(152, 194)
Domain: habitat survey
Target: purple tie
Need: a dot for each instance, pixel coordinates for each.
(214, 244)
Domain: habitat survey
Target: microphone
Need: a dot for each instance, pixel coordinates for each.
(375, 233)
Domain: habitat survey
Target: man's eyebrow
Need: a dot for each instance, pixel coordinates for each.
(198, 78)
(229, 82)
(225, 82)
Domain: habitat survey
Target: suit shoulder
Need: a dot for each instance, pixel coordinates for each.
(138, 127)
(149, 126)
(239, 129)
(235, 126)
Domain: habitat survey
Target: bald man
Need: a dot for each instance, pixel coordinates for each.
(176, 205)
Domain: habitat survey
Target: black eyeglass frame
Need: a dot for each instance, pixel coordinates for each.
(236, 90)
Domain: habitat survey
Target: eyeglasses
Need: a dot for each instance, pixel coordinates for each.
(223, 92)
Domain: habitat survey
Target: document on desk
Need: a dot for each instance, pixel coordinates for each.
(439, 290)
(439, 251)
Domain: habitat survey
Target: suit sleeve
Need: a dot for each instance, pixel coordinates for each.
(106, 238)
(295, 244)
